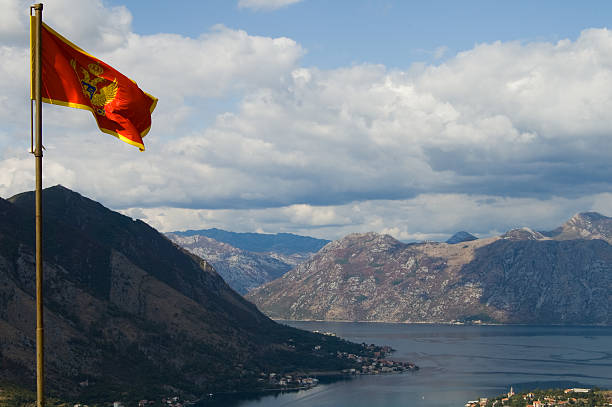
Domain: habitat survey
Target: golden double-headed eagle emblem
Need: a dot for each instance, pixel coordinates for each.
(92, 85)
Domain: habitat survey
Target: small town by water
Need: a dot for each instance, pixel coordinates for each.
(575, 396)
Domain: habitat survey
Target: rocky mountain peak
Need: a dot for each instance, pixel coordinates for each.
(460, 237)
(523, 233)
(371, 240)
(55, 192)
(589, 221)
(585, 225)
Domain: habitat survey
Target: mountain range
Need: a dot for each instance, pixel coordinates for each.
(248, 260)
(523, 276)
(283, 243)
(129, 312)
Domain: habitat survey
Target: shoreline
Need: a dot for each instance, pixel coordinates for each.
(332, 376)
(435, 323)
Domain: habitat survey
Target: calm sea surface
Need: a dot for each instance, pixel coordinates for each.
(458, 363)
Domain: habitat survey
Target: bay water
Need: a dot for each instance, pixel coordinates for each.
(457, 363)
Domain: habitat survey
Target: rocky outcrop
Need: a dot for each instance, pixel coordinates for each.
(520, 277)
(560, 282)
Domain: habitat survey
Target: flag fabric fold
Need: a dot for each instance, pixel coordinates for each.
(72, 77)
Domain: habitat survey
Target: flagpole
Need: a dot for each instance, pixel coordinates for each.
(38, 155)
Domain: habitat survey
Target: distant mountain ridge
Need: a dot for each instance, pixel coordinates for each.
(241, 269)
(522, 276)
(248, 260)
(285, 243)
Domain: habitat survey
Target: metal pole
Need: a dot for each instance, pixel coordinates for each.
(38, 155)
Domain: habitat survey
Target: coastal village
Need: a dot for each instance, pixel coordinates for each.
(548, 398)
(377, 364)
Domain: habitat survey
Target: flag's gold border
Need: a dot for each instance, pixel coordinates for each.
(78, 105)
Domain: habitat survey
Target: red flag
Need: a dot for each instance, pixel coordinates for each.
(71, 77)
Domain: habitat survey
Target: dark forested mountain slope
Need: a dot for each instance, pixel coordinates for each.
(126, 310)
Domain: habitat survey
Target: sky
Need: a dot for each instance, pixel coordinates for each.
(323, 118)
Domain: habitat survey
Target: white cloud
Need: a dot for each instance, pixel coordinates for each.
(241, 127)
(14, 90)
(265, 4)
(555, 90)
(367, 133)
(88, 23)
(309, 215)
(184, 73)
(426, 217)
(14, 21)
(15, 175)
(179, 68)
